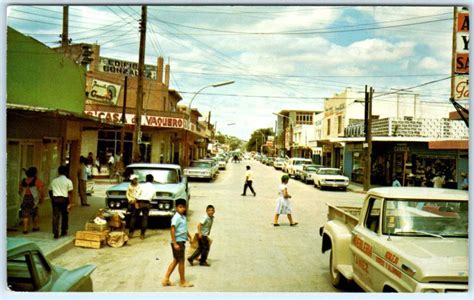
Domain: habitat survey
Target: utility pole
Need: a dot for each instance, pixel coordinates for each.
(65, 34)
(141, 66)
(368, 138)
(414, 107)
(124, 119)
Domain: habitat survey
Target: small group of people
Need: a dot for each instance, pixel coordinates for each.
(139, 197)
(32, 193)
(438, 181)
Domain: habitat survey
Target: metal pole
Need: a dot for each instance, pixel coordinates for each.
(366, 146)
(453, 52)
(124, 119)
(141, 67)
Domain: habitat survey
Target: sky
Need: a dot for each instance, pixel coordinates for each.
(280, 57)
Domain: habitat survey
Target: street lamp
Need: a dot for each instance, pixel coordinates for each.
(208, 86)
(186, 154)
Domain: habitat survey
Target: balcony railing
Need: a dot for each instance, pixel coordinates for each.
(423, 127)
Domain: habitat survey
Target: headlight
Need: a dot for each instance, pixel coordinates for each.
(167, 206)
(160, 205)
(112, 204)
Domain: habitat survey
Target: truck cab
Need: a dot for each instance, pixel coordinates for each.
(403, 239)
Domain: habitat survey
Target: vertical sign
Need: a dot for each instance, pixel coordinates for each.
(461, 55)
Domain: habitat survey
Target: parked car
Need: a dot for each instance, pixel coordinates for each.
(402, 239)
(296, 164)
(28, 270)
(278, 163)
(330, 177)
(222, 163)
(307, 173)
(270, 161)
(214, 164)
(169, 182)
(200, 169)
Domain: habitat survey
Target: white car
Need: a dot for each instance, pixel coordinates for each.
(330, 177)
(278, 163)
(295, 164)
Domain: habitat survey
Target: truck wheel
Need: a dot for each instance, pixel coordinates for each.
(337, 279)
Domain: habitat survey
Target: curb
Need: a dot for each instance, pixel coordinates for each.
(59, 249)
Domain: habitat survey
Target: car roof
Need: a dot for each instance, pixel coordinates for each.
(154, 166)
(419, 193)
(16, 245)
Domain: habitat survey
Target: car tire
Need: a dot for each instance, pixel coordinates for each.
(344, 189)
(337, 279)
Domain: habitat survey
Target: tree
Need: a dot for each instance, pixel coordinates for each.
(257, 140)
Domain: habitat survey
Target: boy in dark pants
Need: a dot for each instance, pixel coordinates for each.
(204, 229)
(179, 236)
(248, 182)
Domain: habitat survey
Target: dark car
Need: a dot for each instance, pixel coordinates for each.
(28, 270)
(308, 171)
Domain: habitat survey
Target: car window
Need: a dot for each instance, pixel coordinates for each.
(42, 269)
(200, 164)
(330, 172)
(19, 273)
(372, 219)
(162, 176)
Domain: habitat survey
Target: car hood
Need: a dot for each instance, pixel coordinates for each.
(433, 259)
(197, 169)
(330, 177)
(169, 187)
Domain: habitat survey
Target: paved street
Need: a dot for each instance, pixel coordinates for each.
(248, 253)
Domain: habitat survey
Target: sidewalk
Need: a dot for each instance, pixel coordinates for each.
(77, 219)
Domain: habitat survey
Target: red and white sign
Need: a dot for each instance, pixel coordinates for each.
(152, 121)
(461, 69)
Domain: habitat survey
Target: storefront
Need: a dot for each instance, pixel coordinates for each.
(413, 163)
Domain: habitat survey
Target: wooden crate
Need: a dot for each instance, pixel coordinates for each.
(91, 239)
(91, 226)
(89, 244)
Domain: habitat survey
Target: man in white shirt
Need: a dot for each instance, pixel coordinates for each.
(82, 174)
(147, 193)
(248, 182)
(60, 192)
(438, 181)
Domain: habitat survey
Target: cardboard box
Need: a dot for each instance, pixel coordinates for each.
(91, 226)
(89, 244)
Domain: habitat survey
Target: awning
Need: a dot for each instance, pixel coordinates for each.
(449, 145)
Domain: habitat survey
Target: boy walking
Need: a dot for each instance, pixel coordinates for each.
(179, 236)
(204, 229)
(248, 182)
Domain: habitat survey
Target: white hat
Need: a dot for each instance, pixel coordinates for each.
(133, 176)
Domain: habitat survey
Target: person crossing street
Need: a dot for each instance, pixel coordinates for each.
(248, 182)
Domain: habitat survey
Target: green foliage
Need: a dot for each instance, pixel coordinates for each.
(258, 138)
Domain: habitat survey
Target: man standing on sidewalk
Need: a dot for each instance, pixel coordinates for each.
(60, 192)
(147, 193)
(82, 174)
(248, 182)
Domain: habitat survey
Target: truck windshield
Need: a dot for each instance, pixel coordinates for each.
(425, 218)
(162, 176)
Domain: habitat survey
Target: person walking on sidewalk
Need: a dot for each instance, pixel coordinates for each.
(179, 236)
(61, 192)
(204, 229)
(82, 176)
(283, 203)
(147, 193)
(32, 194)
(248, 182)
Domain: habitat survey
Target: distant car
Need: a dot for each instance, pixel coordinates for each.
(270, 161)
(200, 169)
(222, 163)
(169, 182)
(330, 177)
(296, 164)
(214, 164)
(278, 163)
(28, 270)
(308, 171)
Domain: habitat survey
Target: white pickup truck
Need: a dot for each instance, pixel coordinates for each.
(402, 239)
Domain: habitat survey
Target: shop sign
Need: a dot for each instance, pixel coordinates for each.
(461, 53)
(152, 121)
(115, 66)
(461, 87)
(103, 91)
(401, 148)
